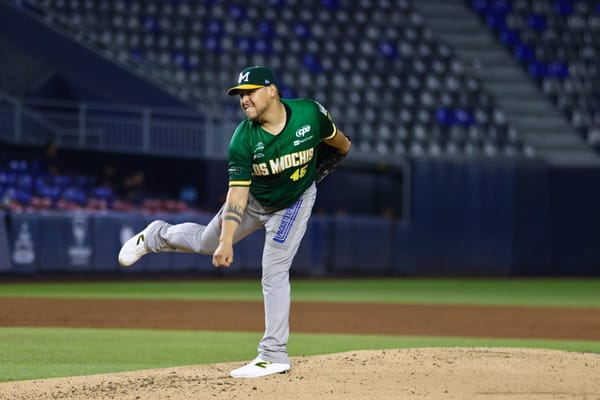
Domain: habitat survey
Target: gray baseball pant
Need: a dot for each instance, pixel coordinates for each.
(284, 231)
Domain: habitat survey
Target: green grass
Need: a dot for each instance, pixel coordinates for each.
(530, 292)
(34, 353)
(30, 353)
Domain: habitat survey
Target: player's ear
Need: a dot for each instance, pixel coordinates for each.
(273, 91)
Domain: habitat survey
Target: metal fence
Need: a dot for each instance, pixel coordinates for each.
(132, 129)
(117, 128)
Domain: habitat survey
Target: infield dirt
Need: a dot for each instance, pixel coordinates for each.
(454, 373)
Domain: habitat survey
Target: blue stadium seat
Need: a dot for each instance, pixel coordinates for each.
(75, 195)
(335, 50)
(556, 42)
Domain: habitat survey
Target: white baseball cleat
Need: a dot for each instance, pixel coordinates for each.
(259, 367)
(135, 247)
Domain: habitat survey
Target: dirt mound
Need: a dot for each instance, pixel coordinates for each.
(431, 373)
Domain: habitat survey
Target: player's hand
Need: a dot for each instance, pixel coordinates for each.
(223, 256)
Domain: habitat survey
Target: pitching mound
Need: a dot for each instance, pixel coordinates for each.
(431, 373)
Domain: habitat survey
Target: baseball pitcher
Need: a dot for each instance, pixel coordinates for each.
(276, 155)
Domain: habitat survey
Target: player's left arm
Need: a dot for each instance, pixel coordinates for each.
(331, 152)
(339, 141)
(334, 145)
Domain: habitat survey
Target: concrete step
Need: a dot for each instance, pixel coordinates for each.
(454, 25)
(513, 89)
(469, 41)
(562, 135)
(555, 140)
(534, 116)
(570, 157)
(442, 9)
(560, 129)
(451, 26)
(552, 118)
(502, 73)
(528, 107)
(487, 57)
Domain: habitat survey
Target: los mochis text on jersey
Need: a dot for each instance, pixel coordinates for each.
(282, 163)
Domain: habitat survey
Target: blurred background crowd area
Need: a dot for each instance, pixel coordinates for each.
(43, 179)
(122, 105)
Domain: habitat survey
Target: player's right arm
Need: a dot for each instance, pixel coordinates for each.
(240, 178)
(233, 211)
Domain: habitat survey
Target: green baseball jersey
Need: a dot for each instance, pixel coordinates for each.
(279, 168)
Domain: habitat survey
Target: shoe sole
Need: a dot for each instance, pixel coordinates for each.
(284, 371)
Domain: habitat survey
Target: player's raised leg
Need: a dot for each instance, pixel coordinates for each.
(140, 244)
(160, 236)
(188, 237)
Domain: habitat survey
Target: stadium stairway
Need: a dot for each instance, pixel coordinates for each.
(532, 113)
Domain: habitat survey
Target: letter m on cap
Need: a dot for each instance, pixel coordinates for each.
(244, 77)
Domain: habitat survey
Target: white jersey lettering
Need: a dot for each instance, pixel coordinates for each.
(284, 162)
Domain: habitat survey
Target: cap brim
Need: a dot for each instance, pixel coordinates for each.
(236, 89)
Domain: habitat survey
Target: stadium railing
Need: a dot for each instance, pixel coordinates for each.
(116, 128)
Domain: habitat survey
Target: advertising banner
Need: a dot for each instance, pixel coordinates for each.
(24, 242)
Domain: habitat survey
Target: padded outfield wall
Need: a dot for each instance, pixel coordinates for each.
(492, 219)
(505, 218)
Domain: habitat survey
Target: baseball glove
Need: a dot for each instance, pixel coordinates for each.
(328, 159)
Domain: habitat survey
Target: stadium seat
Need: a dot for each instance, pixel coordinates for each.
(339, 52)
(556, 43)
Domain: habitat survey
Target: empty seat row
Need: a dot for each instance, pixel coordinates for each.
(372, 60)
(28, 185)
(558, 44)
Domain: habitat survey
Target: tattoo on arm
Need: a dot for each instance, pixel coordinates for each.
(233, 213)
(234, 218)
(233, 209)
